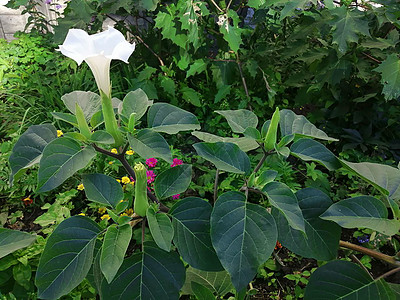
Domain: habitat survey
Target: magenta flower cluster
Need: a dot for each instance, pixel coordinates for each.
(176, 162)
(151, 162)
(150, 176)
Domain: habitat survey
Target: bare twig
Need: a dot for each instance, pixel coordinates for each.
(216, 5)
(372, 58)
(391, 272)
(357, 261)
(229, 4)
(243, 79)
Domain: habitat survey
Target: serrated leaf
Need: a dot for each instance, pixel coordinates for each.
(282, 198)
(225, 156)
(239, 119)
(28, 150)
(161, 228)
(173, 181)
(164, 117)
(390, 76)
(191, 221)
(152, 274)
(102, 189)
(89, 102)
(243, 235)
(321, 240)
(135, 102)
(115, 244)
(360, 212)
(197, 67)
(232, 34)
(12, 240)
(67, 257)
(61, 159)
(345, 280)
(291, 6)
(244, 143)
(69, 118)
(149, 143)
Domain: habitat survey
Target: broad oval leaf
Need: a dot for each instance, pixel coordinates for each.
(12, 240)
(191, 221)
(61, 159)
(345, 280)
(362, 211)
(225, 156)
(164, 117)
(115, 244)
(239, 119)
(202, 292)
(290, 123)
(282, 198)
(266, 177)
(152, 274)
(243, 235)
(102, 137)
(173, 181)
(67, 257)
(321, 240)
(135, 102)
(89, 102)
(102, 189)
(148, 143)
(28, 149)
(310, 150)
(69, 118)
(161, 228)
(245, 144)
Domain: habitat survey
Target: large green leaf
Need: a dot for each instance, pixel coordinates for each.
(290, 123)
(152, 274)
(28, 149)
(191, 221)
(115, 244)
(310, 150)
(201, 292)
(173, 181)
(61, 159)
(345, 280)
(282, 198)
(67, 257)
(66, 117)
(12, 240)
(229, 27)
(135, 102)
(164, 117)
(390, 72)
(218, 282)
(243, 235)
(239, 119)
(89, 102)
(225, 156)
(321, 240)
(362, 211)
(244, 143)
(348, 24)
(383, 177)
(148, 143)
(102, 189)
(161, 228)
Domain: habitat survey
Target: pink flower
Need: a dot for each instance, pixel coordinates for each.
(151, 162)
(176, 162)
(175, 196)
(150, 176)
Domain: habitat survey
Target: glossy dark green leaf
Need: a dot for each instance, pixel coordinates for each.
(61, 159)
(135, 102)
(148, 143)
(173, 181)
(310, 150)
(345, 280)
(282, 198)
(191, 221)
(89, 102)
(152, 274)
(161, 228)
(321, 240)
(239, 119)
(115, 244)
(102, 137)
(69, 118)
(164, 117)
(67, 257)
(362, 211)
(225, 156)
(12, 240)
(244, 143)
(29, 147)
(201, 292)
(102, 189)
(243, 235)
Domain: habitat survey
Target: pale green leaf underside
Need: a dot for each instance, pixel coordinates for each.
(245, 144)
(12, 240)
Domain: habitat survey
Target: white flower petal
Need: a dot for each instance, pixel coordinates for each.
(100, 66)
(122, 51)
(105, 42)
(77, 45)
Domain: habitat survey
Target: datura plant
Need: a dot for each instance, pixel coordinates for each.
(226, 237)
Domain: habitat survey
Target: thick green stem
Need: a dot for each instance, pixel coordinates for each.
(109, 119)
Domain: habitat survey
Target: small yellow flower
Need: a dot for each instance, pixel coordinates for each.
(118, 180)
(124, 214)
(59, 133)
(129, 211)
(130, 152)
(81, 187)
(110, 162)
(81, 214)
(132, 183)
(121, 201)
(125, 180)
(102, 210)
(105, 217)
(113, 150)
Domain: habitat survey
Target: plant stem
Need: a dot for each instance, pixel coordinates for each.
(216, 185)
(391, 272)
(143, 231)
(261, 162)
(216, 5)
(243, 79)
(356, 260)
